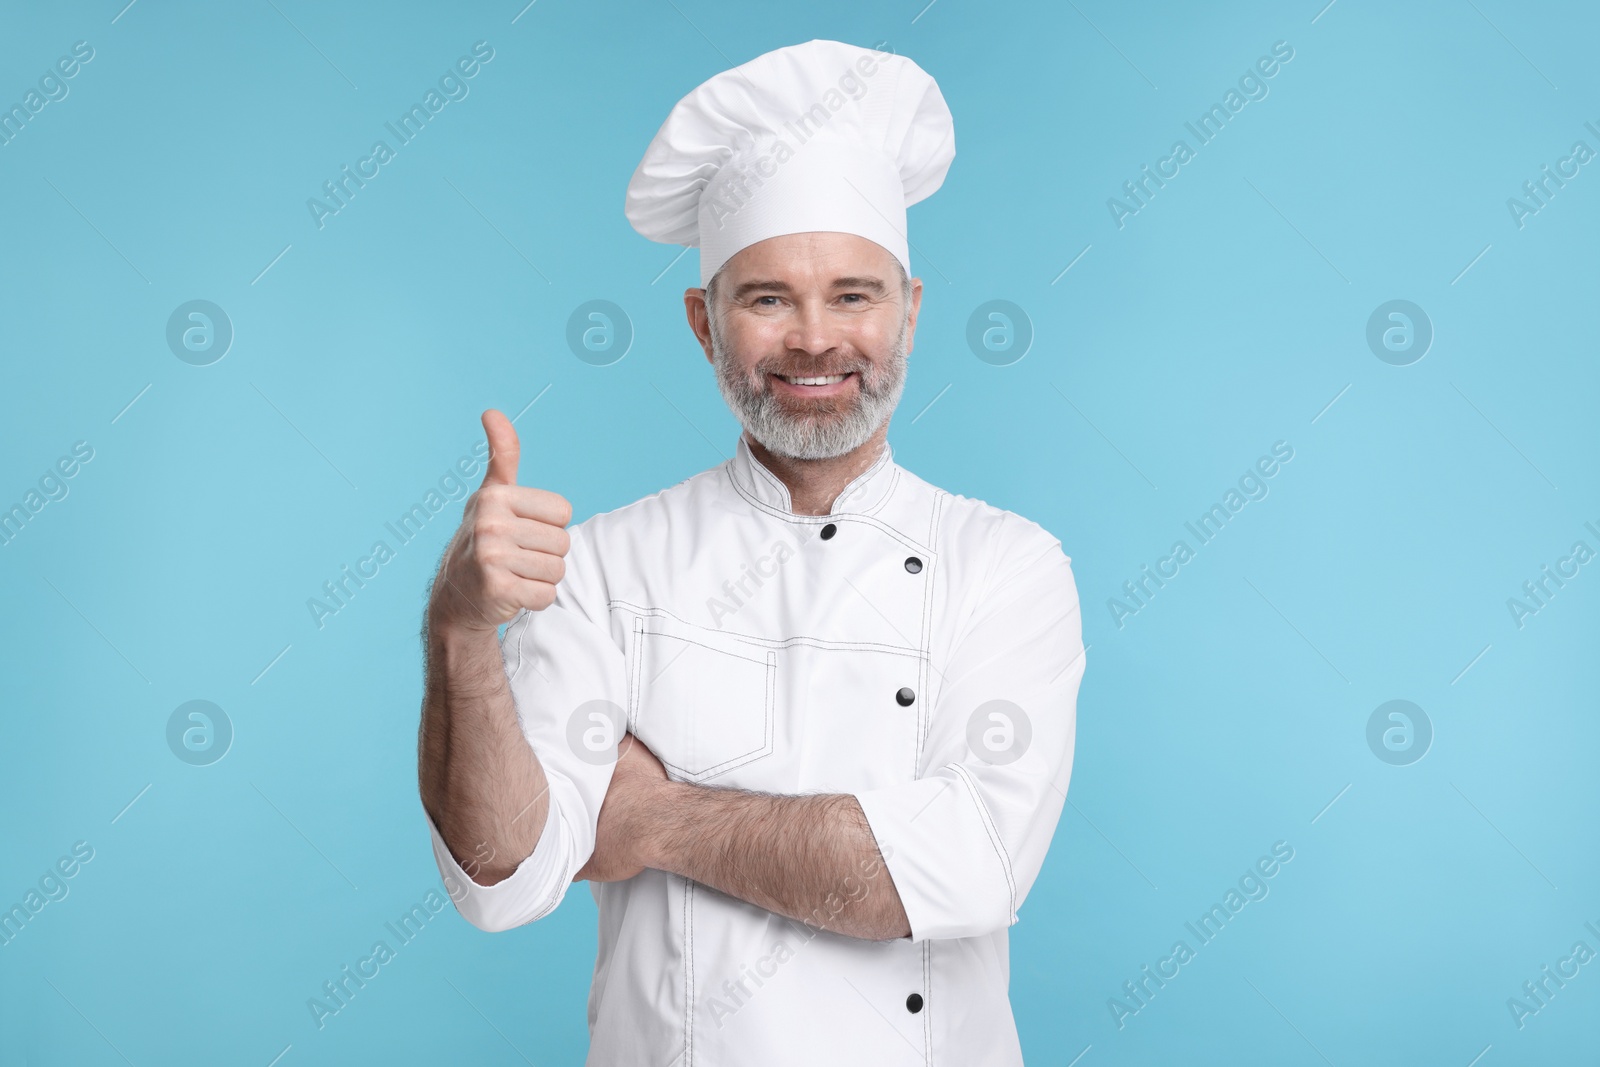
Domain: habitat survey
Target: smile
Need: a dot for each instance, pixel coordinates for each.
(831, 379)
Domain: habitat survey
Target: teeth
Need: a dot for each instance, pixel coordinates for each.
(829, 380)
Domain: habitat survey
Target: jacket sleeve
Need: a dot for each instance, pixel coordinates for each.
(568, 680)
(965, 842)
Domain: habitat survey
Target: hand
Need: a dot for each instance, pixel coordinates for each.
(508, 553)
(621, 844)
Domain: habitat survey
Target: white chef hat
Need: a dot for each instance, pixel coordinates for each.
(815, 136)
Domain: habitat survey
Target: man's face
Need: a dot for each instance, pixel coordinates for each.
(809, 339)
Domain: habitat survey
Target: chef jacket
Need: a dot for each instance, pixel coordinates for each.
(918, 649)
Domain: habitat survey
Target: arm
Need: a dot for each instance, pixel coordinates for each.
(810, 858)
(481, 784)
(475, 770)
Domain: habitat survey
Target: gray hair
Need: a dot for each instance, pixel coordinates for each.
(822, 435)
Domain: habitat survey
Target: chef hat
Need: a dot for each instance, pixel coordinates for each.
(815, 136)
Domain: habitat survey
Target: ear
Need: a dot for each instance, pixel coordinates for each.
(694, 307)
(911, 314)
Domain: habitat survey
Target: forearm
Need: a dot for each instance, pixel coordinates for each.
(480, 781)
(811, 858)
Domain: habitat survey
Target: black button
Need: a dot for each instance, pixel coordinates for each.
(905, 697)
(913, 564)
(914, 1003)
(829, 530)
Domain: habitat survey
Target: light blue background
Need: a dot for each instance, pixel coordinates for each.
(1225, 316)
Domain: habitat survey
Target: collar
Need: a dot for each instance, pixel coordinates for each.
(864, 494)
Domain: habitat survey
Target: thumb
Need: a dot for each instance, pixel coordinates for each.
(504, 449)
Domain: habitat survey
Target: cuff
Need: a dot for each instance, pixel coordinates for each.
(943, 853)
(531, 892)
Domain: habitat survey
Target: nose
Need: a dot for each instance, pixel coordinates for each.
(809, 331)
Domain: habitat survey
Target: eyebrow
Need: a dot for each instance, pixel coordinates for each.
(872, 285)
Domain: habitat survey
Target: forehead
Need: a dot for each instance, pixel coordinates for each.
(815, 257)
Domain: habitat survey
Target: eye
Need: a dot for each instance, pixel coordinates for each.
(760, 301)
(854, 297)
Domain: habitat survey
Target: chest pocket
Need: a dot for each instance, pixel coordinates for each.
(702, 702)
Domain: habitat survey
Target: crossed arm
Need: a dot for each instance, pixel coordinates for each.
(810, 858)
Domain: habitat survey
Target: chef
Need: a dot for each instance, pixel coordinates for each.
(804, 722)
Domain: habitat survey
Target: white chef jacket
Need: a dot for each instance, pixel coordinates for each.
(841, 653)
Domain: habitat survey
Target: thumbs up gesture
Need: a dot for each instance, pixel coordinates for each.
(509, 551)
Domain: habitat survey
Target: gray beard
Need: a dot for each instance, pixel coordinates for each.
(832, 427)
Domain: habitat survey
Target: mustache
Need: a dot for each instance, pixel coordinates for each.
(773, 367)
